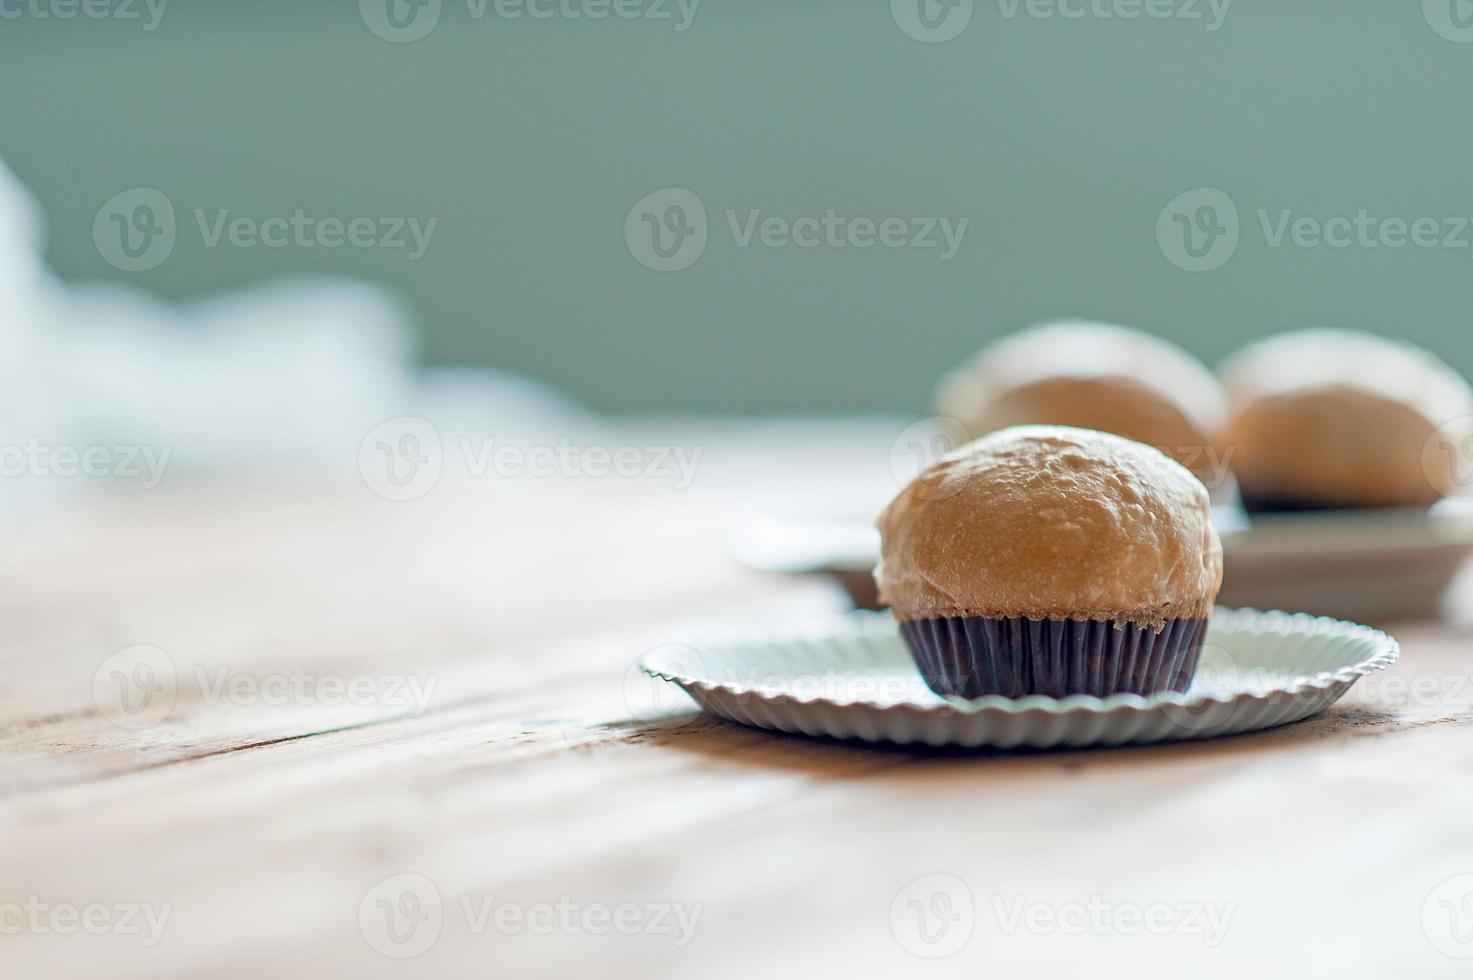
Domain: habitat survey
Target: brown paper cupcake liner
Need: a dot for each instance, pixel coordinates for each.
(974, 656)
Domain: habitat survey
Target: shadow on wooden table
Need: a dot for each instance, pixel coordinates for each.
(717, 738)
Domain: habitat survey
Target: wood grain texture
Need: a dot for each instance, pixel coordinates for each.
(540, 776)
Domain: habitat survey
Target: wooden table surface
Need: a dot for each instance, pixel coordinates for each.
(411, 727)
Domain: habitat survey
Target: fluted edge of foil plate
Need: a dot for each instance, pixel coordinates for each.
(1267, 669)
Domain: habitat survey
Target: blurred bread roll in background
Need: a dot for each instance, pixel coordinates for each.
(1094, 376)
(1326, 418)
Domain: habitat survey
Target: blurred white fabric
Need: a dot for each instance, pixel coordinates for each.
(296, 371)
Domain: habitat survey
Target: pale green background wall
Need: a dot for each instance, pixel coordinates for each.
(531, 140)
